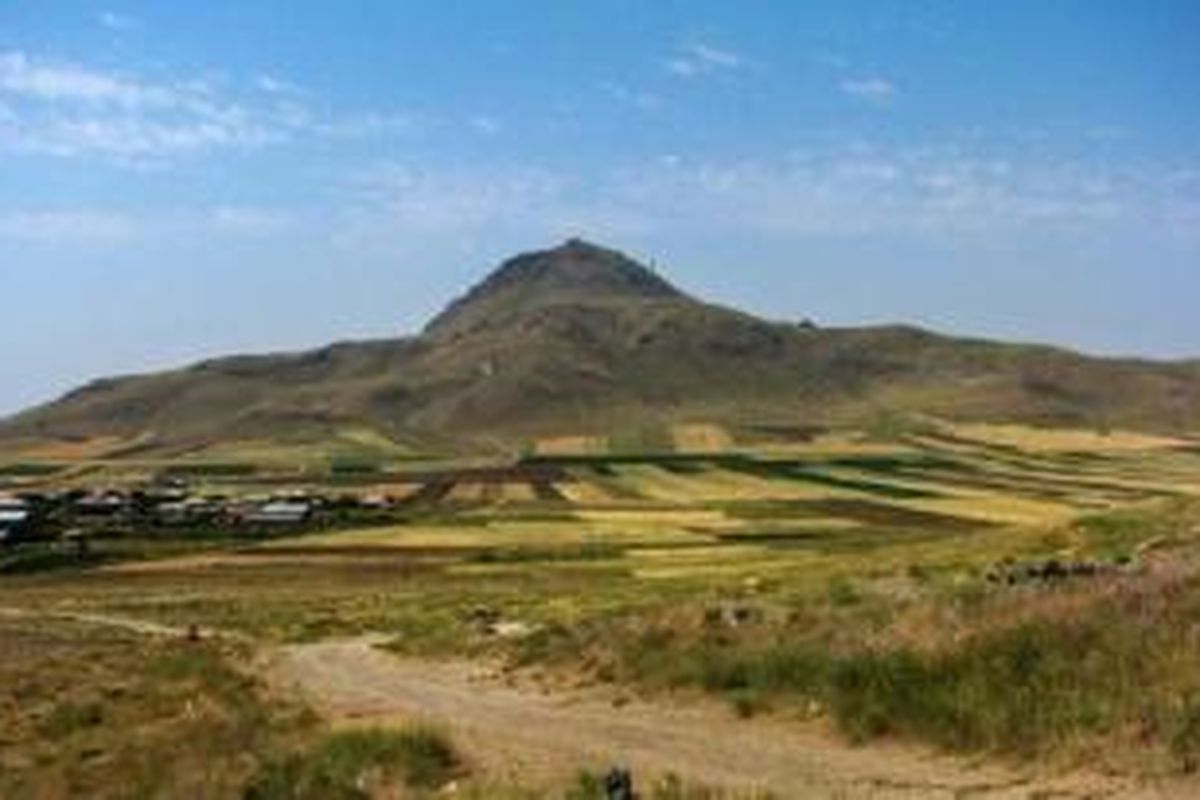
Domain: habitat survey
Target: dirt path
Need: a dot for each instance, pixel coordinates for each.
(524, 733)
(144, 627)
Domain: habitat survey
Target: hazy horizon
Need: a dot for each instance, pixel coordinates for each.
(186, 182)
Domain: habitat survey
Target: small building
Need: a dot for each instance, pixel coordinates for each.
(101, 504)
(375, 502)
(189, 510)
(280, 512)
(15, 519)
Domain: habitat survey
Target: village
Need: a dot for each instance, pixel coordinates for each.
(168, 506)
(174, 508)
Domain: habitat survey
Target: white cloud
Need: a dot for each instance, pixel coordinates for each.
(873, 90)
(390, 206)
(69, 110)
(486, 124)
(22, 77)
(935, 193)
(275, 85)
(117, 23)
(94, 227)
(73, 226)
(639, 99)
(944, 194)
(698, 59)
(248, 220)
(65, 109)
(365, 126)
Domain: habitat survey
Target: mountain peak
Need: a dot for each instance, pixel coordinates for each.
(576, 271)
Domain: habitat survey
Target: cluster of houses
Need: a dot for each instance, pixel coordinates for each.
(27, 515)
(15, 518)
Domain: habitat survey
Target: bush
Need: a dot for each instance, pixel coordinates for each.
(345, 764)
(1185, 738)
(1020, 690)
(69, 717)
(1108, 663)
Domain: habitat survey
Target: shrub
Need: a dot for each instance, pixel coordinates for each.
(1185, 738)
(1020, 690)
(68, 717)
(342, 766)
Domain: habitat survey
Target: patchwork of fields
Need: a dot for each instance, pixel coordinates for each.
(735, 512)
(764, 575)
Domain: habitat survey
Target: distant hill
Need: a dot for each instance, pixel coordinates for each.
(583, 339)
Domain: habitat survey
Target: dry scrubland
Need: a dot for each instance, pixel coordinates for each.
(879, 588)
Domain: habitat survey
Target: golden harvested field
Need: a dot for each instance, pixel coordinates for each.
(1061, 440)
(699, 438)
(571, 446)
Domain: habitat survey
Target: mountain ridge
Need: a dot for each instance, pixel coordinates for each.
(582, 338)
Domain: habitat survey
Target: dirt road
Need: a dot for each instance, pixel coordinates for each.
(523, 732)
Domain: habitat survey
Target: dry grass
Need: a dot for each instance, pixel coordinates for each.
(1050, 440)
(92, 712)
(571, 446)
(997, 508)
(74, 450)
(701, 438)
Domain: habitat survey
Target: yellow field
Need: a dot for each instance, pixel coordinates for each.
(1049, 440)
(571, 446)
(701, 438)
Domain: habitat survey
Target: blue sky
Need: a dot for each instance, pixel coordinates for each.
(188, 179)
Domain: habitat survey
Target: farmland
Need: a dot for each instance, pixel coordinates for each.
(877, 588)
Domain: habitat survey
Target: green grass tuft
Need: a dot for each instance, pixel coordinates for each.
(346, 765)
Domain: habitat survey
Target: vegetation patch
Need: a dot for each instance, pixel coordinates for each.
(355, 764)
(86, 711)
(1095, 666)
(213, 469)
(30, 469)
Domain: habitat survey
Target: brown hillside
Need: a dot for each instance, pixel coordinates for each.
(582, 338)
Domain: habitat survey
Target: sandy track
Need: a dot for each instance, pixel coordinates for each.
(524, 733)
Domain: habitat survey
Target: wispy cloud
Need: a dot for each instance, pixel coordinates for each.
(948, 194)
(698, 59)
(272, 84)
(486, 124)
(94, 226)
(24, 77)
(392, 205)
(878, 91)
(636, 98)
(927, 192)
(933, 193)
(70, 110)
(365, 125)
(247, 220)
(74, 226)
(65, 109)
(118, 23)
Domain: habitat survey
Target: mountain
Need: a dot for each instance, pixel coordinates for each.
(583, 339)
(577, 272)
